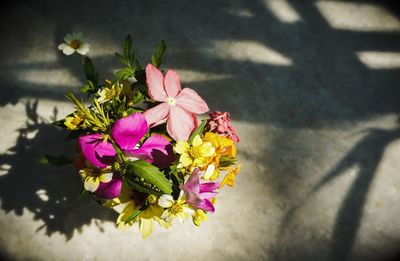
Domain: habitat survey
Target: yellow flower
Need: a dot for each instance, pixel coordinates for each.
(130, 201)
(224, 147)
(74, 121)
(229, 179)
(199, 216)
(196, 155)
(92, 177)
(174, 208)
(109, 91)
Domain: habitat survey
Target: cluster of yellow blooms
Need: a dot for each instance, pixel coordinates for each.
(209, 154)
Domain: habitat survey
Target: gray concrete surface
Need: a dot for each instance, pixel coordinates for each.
(313, 89)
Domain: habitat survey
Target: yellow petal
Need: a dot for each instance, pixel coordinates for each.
(106, 176)
(91, 183)
(207, 150)
(181, 146)
(199, 216)
(185, 160)
(215, 175)
(209, 172)
(197, 141)
(146, 227)
(230, 177)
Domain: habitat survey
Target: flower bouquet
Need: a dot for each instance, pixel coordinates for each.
(139, 147)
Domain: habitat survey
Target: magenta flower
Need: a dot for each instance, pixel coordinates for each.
(178, 106)
(126, 132)
(199, 194)
(221, 123)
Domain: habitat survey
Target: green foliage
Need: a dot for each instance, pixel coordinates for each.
(136, 213)
(141, 185)
(157, 57)
(150, 175)
(91, 75)
(197, 131)
(226, 161)
(128, 58)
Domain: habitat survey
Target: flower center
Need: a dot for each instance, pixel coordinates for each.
(176, 208)
(77, 120)
(75, 44)
(171, 101)
(195, 152)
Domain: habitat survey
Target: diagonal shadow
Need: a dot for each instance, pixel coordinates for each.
(365, 155)
(50, 193)
(325, 86)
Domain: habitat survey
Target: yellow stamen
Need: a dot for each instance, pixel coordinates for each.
(75, 44)
(176, 208)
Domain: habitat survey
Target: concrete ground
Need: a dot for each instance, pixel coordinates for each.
(312, 87)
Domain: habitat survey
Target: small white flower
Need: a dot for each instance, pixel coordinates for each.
(108, 92)
(74, 43)
(174, 209)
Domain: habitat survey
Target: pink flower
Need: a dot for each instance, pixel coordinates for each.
(126, 132)
(221, 123)
(178, 106)
(198, 194)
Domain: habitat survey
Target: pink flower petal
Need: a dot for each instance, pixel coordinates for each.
(128, 131)
(191, 101)
(96, 151)
(180, 123)
(110, 189)
(208, 195)
(154, 79)
(209, 186)
(158, 151)
(206, 205)
(157, 115)
(172, 84)
(193, 181)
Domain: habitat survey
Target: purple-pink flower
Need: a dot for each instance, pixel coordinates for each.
(126, 132)
(178, 106)
(198, 194)
(221, 123)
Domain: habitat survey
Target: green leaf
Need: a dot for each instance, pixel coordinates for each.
(58, 161)
(150, 174)
(138, 185)
(197, 131)
(84, 192)
(121, 58)
(138, 97)
(136, 213)
(124, 74)
(225, 161)
(156, 58)
(90, 71)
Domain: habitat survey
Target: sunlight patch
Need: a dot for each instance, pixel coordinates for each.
(4, 169)
(42, 194)
(380, 60)
(358, 16)
(250, 51)
(283, 11)
(49, 77)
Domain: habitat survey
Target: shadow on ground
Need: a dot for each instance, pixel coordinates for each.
(49, 192)
(323, 86)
